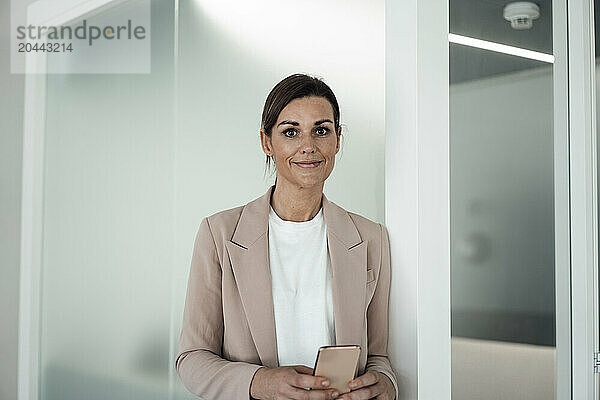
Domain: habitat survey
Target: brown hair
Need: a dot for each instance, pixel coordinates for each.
(293, 87)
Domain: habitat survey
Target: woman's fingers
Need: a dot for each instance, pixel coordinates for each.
(300, 380)
(302, 394)
(304, 380)
(366, 386)
(367, 379)
(364, 393)
(287, 383)
(303, 369)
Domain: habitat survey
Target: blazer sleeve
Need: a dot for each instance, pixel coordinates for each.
(378, 317)
(199, 363)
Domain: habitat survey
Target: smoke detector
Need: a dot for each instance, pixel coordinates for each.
(521, 14)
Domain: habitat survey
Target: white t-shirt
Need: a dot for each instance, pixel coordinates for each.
(301, 282)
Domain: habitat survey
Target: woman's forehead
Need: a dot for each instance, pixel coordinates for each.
(307, 109)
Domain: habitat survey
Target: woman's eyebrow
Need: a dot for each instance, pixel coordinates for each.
(319, 122)
(288, 123)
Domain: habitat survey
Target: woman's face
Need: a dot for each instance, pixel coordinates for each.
(304, 132)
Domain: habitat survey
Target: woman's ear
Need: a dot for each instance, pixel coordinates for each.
(265, 142)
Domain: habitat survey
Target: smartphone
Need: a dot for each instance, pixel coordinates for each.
(338, 364)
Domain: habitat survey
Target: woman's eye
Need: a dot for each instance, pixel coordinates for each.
(289, 132)
(322, 131)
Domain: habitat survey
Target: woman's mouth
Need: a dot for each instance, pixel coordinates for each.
(313, 164)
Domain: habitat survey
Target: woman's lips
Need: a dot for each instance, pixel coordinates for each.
(308, 165)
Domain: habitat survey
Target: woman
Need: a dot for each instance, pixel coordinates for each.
(273, 280)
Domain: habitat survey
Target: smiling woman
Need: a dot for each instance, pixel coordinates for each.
(289, 272)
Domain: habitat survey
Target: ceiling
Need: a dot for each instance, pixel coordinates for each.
(483, 19)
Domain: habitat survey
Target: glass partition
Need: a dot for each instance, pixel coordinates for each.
(502, 200)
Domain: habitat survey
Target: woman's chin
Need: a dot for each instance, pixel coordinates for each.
(308, 183)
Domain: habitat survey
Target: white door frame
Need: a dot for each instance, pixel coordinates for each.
(417, 196)
(562, 221)
(583, 196)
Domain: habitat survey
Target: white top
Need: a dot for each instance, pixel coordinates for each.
(301, 282)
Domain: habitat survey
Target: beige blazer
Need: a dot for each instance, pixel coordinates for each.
(228, 329)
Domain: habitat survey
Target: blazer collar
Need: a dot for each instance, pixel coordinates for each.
(254, 221)
(248, 251)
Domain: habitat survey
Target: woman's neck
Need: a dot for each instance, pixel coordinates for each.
(297, 204)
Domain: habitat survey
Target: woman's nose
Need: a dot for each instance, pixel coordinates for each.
(308, 145)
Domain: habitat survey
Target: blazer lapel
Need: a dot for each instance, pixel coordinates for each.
(249, 255)
(348, 254)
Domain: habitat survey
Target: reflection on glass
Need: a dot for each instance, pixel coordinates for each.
(502, 207)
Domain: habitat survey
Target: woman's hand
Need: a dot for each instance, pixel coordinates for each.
(370, 385)
(290, 383)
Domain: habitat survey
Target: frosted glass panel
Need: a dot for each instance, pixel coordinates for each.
(108, 230)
